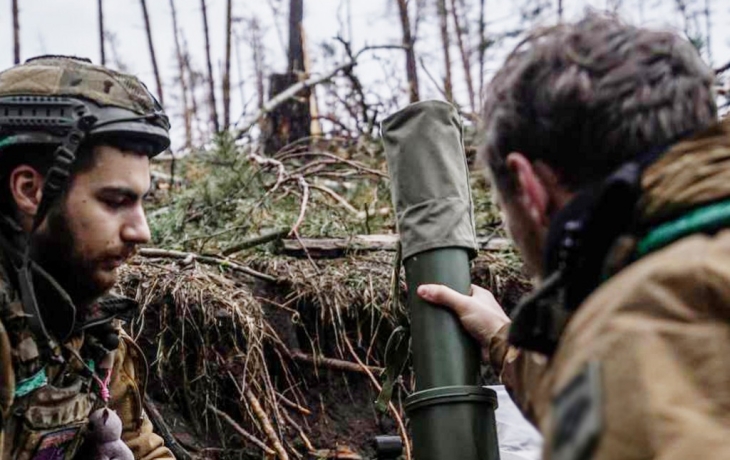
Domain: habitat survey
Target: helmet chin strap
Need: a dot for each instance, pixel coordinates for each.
(54, 184)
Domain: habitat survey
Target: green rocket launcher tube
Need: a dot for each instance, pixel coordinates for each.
(452, 417)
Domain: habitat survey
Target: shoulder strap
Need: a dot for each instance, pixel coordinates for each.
(7, 380)
(705, 219)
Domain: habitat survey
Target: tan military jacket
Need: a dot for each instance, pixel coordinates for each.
(49, 418)
(642, 370)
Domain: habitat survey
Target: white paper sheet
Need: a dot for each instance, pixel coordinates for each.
(518, 439)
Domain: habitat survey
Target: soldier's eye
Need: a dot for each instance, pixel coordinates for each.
(114, 202)
(117, 198)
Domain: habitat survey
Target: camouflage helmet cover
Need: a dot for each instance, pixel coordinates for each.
(33, 95)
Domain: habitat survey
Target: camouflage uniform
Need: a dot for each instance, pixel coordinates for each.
(49, 385)
(642, 369)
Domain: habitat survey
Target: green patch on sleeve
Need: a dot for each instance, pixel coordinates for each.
(32, 383)
(4, 142)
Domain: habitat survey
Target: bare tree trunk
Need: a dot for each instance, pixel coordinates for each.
(16, 33)
(273, 5)
(183, 79)
(156, 70)
(211, 84)
(227, 68)
(464, 50)
(111, 39)
(194, 79)
(444, 24)
(292, 120)
(482, 48)
(239, 69)
(101, 31)
(560, 10)
(708, 31)
(315, 127)
(408, 42)
(258, 61)
(296, 51)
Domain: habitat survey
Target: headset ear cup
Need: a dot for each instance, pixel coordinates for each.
(111, 340)
(107, 335)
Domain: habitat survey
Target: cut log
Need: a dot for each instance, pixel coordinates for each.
(336, 247)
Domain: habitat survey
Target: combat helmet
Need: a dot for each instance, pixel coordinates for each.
(44, 98)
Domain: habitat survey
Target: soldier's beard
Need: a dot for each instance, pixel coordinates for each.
(55, 249)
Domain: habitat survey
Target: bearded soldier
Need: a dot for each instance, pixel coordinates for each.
(75, 144)
(613, 175)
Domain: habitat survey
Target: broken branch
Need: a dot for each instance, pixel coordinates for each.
(294, 89)
(159, 423)
(266, 424)
(248, 436)
(289, 93)
(305, 199)
(332, 363)
(346, 204)
(335, 247)
(292, 405)
(281, 173)
(354, 164)
(189, 256)
(255, 241)
(305, 439)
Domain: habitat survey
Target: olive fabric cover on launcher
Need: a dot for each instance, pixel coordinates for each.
(433, 203)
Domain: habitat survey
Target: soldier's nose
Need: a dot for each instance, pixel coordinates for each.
(136, 230)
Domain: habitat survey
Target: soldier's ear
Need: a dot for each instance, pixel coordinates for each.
(532, 193)
(26, 188)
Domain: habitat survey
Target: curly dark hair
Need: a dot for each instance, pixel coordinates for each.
(587, 96)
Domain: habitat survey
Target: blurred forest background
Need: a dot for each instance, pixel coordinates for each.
(272, 285)
(215, 63)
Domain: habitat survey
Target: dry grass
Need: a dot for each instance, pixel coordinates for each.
(208, 335)
(353, 294)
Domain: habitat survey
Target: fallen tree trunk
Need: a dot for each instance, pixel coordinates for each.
(189, 257)
(336, 247)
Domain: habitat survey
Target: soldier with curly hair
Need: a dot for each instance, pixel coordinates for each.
(613, 175)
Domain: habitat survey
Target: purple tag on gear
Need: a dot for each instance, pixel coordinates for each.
(53, 445)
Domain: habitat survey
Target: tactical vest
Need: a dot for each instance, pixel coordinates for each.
(49, 400)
